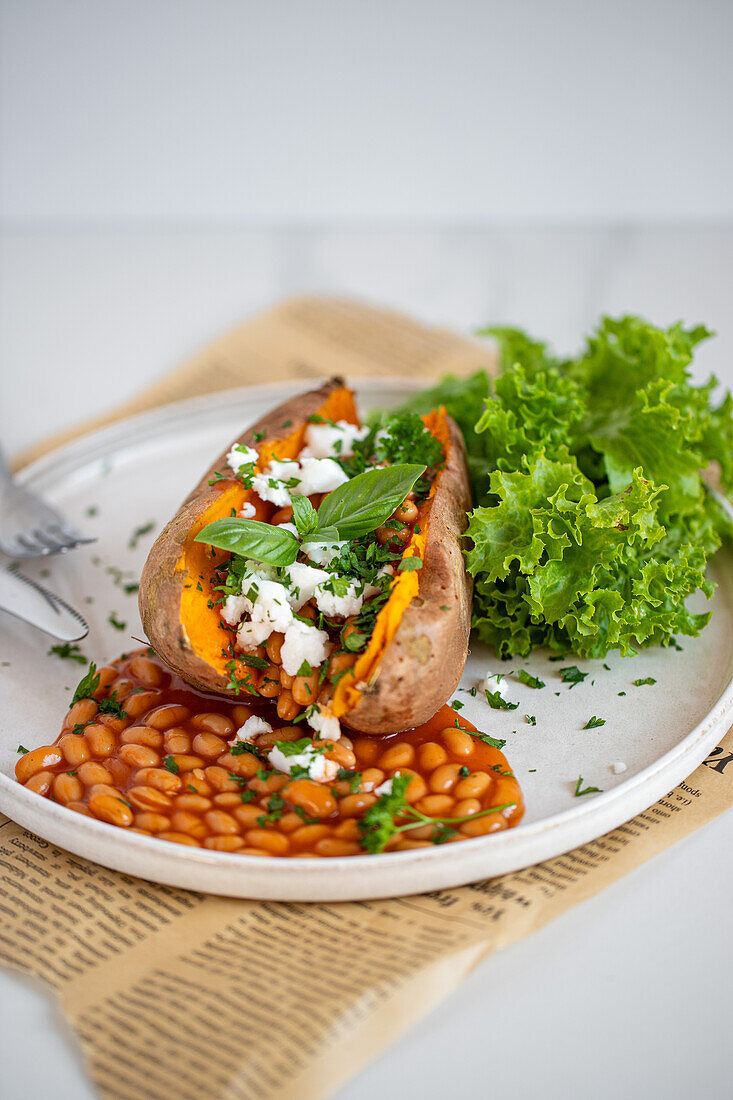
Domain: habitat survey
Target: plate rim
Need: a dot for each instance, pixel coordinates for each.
(355, 876)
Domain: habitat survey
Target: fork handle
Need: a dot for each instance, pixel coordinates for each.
(5, 475)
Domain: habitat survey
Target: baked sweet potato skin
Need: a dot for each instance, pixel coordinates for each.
(163, 581)
(422, 665)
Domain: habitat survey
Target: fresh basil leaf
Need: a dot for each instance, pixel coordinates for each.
(252, 539)
(305, 516)
(323, 534)
(365, 502)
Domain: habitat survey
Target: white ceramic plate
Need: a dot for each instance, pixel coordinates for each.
(138, 471)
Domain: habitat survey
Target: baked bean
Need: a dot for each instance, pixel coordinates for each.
(275, 844)
(339, 663)
(466, 807)
(212, 722)
(151, 822)
(252, 852)
(79, 808)
(354, 805)
(75, 748)
(458, 742)
(287, 708)
(349, 829)
(194, 802)
(286, 680)
(114, 724)
(176, 740)
(122, 688)
(142, 735)
(107, 675)
(208, 744)
(244, 764)
(407, 512)
(240, 714)
(416, 788)
(147, 672)
(337, 846)
(40, 783)
(141, 702)
(444, 778)
(92, 774)
(184, 822)
(148, 798)
(197, 783)
(160, 778)
(109, 806)
(227, 799)
(316, 800)
(247, 815)
(489, 823)
(282, 515)
(344, 757)
(431, 755)
(270, 684)
(221, 822)
(421, 832)
(37, 760)
(66, 788)
(397, 756)
(305, 689)
(273, 646)
(100, 739)
(139, 756)
(186, 762)
(371, 778)
(435, 805)
(308, 611)
(308, 834)
(80, 713)
(473, 786)
(118, 770)
(224, 843)
(170, 714)
(179, 838)
(273, 783)
(100, 788)
(288, 823)
(406, 844)
(367, 749)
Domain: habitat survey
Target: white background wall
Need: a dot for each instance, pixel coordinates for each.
(166, 111)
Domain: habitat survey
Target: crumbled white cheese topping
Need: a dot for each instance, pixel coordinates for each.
(384, 788)
(269, 484)
(248, 510)
(270, 611)
(279, 481)
(618, 768)
(241, 456)
(340, 606)
(326, 725)
(319, 475)
(332, 440)
(323, 553)
(303, 643)
(304, 579)
(318, 767)
(494, 682)
(252, 728)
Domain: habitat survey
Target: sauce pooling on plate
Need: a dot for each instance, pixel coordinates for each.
(141, 750)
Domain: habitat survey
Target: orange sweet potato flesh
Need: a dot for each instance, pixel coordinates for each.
(418, 649)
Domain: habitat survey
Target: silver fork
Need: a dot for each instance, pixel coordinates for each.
(28, 527)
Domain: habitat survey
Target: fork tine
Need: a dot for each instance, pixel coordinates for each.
(28, 547)
(53, 545)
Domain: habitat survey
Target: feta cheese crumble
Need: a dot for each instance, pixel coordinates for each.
(304, 579)
(319, 475)
(332, 440)
(248, 510)
(323, 553)
(241, 456)
(494, 682)
(619, 767)
(252, 728)
(384, 788)
(303, 642)
(325, 724)
(339, 606)
(313, 760)
(269, 612)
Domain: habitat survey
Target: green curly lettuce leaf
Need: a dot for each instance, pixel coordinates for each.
(593, 525)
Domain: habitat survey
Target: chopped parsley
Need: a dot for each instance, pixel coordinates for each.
(170, 765)
(646, 680)
(495, 742)
(530, 680)
(68, 652)
(22, 750)
(353, 778)
(497, 701)
(111, 706)
(581, 790)
(139, 532)
(87, 685)
(457, 704)
(530, 719)
(410, 565)
(593, 722)
(115, 622)
(572, 675)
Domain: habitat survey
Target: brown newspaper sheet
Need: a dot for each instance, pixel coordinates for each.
(158, 982)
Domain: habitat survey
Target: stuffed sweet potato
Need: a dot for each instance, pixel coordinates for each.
(317, 566)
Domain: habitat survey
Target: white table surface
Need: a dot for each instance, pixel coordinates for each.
(627, 995)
